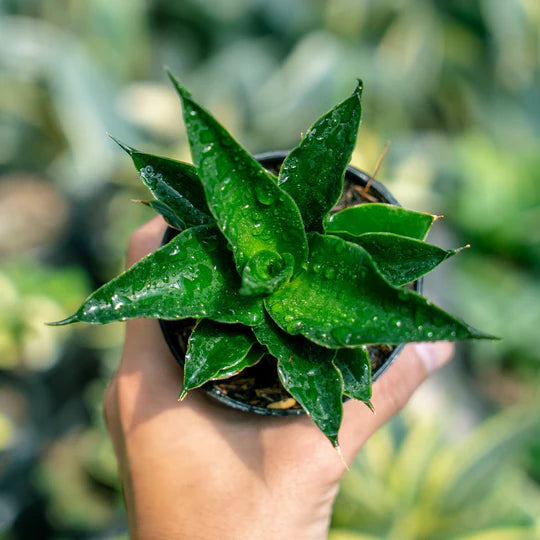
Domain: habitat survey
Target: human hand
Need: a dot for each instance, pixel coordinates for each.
(198, 470)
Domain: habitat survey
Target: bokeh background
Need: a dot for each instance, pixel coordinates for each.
(455, 87)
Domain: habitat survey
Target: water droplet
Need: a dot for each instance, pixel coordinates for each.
(329, 273)
(210, 244)
(293, 326)
(429, 334)
(404, 310)
(265, 195)
(342, 335)
(403, 294)
(118, 301)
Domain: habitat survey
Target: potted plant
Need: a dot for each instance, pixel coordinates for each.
(258, 271)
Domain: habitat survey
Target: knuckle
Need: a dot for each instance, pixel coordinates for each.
(397, 386)
(394, 395)
(399, 396)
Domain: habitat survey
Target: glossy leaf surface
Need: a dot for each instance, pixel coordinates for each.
(401, 259)
(252, 212)
(341, 300)
(307, 372)
(313, 172)
(174, 183)
(355, 368)
(213, 347)
(191, 276)
(379, 217)
(266, 272)
(170, 217)
(253, 356)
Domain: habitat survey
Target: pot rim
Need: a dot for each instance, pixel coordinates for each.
(266, 158)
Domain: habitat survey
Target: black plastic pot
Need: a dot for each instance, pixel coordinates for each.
(272, 161)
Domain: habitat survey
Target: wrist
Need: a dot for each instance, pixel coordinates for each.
(236, 510)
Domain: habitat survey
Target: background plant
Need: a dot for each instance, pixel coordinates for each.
(464, 144)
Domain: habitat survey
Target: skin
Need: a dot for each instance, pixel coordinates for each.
(198, 470)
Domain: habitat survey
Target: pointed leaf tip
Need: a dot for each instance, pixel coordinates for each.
(478, 334)
(179, 88)
(460, 249)
(359, 87)
(182, 394)
(123, 146)
(69, 320)
(340, 454)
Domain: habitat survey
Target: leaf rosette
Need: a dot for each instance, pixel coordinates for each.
(265, 268)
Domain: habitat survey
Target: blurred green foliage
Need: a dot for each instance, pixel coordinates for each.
(411, 482)
(454, 85)
(30, 295)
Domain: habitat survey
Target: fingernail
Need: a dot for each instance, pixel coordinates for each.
(434, 355)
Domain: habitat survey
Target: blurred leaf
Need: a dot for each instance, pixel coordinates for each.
(338, 534)
(426, 487)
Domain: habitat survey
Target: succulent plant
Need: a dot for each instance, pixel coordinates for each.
(265, 268)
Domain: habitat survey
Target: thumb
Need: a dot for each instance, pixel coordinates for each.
(394, 389)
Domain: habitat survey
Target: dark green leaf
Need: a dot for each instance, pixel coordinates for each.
(174, 183)
(401, 259)
(170, 217)
(252, 357)
(213, 347)
(253, 213)
(307, 372)
(341, 300)
(266, 272)
(192, 276)
(378, 217)
(355, 368)
(313, 172)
